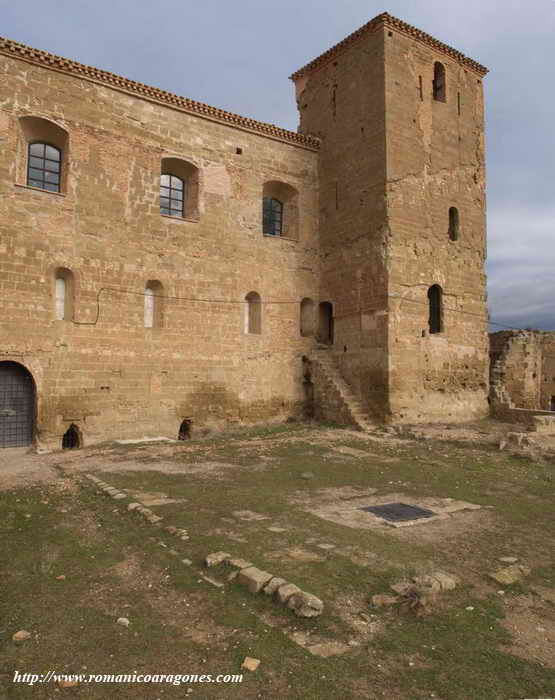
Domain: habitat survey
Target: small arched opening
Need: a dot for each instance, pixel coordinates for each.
(325, 323)
(185, 429)
(435, 311)
(153, 304)
(439, 86)
(72, 438)
(453, 223)
(253, 313)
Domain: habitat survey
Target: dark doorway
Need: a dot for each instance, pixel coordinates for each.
(552, 404)
(71, 439)
(17, 405)
(325, 323)
(185, 430)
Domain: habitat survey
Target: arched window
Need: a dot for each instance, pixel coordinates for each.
(44, 166)
(307, 317)
(253, 313)
(172, 195)
(435, 320)
(43, 146)
(453, 223)
(280, 210)
(153, 315)
(272, 216)
(439, 86)
(179, 189)
(63, 294)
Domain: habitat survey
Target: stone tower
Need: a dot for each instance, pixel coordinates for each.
(402, 219)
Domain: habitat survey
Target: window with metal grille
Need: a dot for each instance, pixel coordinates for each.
(44, 166)
(435, 321)
(439, 88)
(272, 216)
(172, 191)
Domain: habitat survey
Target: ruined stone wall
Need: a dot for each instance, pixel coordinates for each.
(516, 369)
(342, 103)
(106, 372)
(547, 389)
(435, 161)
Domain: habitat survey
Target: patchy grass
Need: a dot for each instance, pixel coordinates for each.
(114, 565)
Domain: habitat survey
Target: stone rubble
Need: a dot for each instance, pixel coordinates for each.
(256, 580)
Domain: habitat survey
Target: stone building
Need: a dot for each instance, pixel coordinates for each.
(166, 265)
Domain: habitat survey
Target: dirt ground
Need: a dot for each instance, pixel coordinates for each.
(289, 499)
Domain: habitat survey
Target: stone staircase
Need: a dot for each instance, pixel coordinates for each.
(338, 403)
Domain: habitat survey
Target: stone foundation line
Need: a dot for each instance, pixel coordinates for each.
(256, 580)
(137, 507)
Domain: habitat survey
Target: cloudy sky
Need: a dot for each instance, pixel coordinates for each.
(238, 56)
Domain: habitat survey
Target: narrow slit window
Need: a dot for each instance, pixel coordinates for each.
(149, 308)
(253, 314)
(454, 223)
(44, 167)
(60, 299)
(439, 85)
(172, 195)
(272, 216)
(435, 321)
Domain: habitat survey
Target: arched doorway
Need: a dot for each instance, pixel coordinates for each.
(17, 405)
(325, 323)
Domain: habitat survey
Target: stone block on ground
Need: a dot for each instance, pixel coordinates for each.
(383, 601)
(216, 558)
(254, 579)
(238, 563)
(250, 664)
(401, 587)
(427, 584)
(305, 604)
(273, 584)
(448, 582)
(285, 592)
(510, 574)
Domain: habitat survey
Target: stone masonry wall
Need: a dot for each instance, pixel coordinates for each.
(109, 374)
(523, 369)
(342, 103)
(435, 161)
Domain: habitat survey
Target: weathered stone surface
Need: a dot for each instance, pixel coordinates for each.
(216, 558)
(273, 584)
(448, 582)
(133, 506)
(427, 583)
(510, 574)
(401, 587)
(21, 636)
(508, 560)
(250, 664)
(238, 563)
(285, 592)
(254, 579)
(305, 604)
(382, 600)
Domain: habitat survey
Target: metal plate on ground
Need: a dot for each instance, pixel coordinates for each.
(398, 512)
